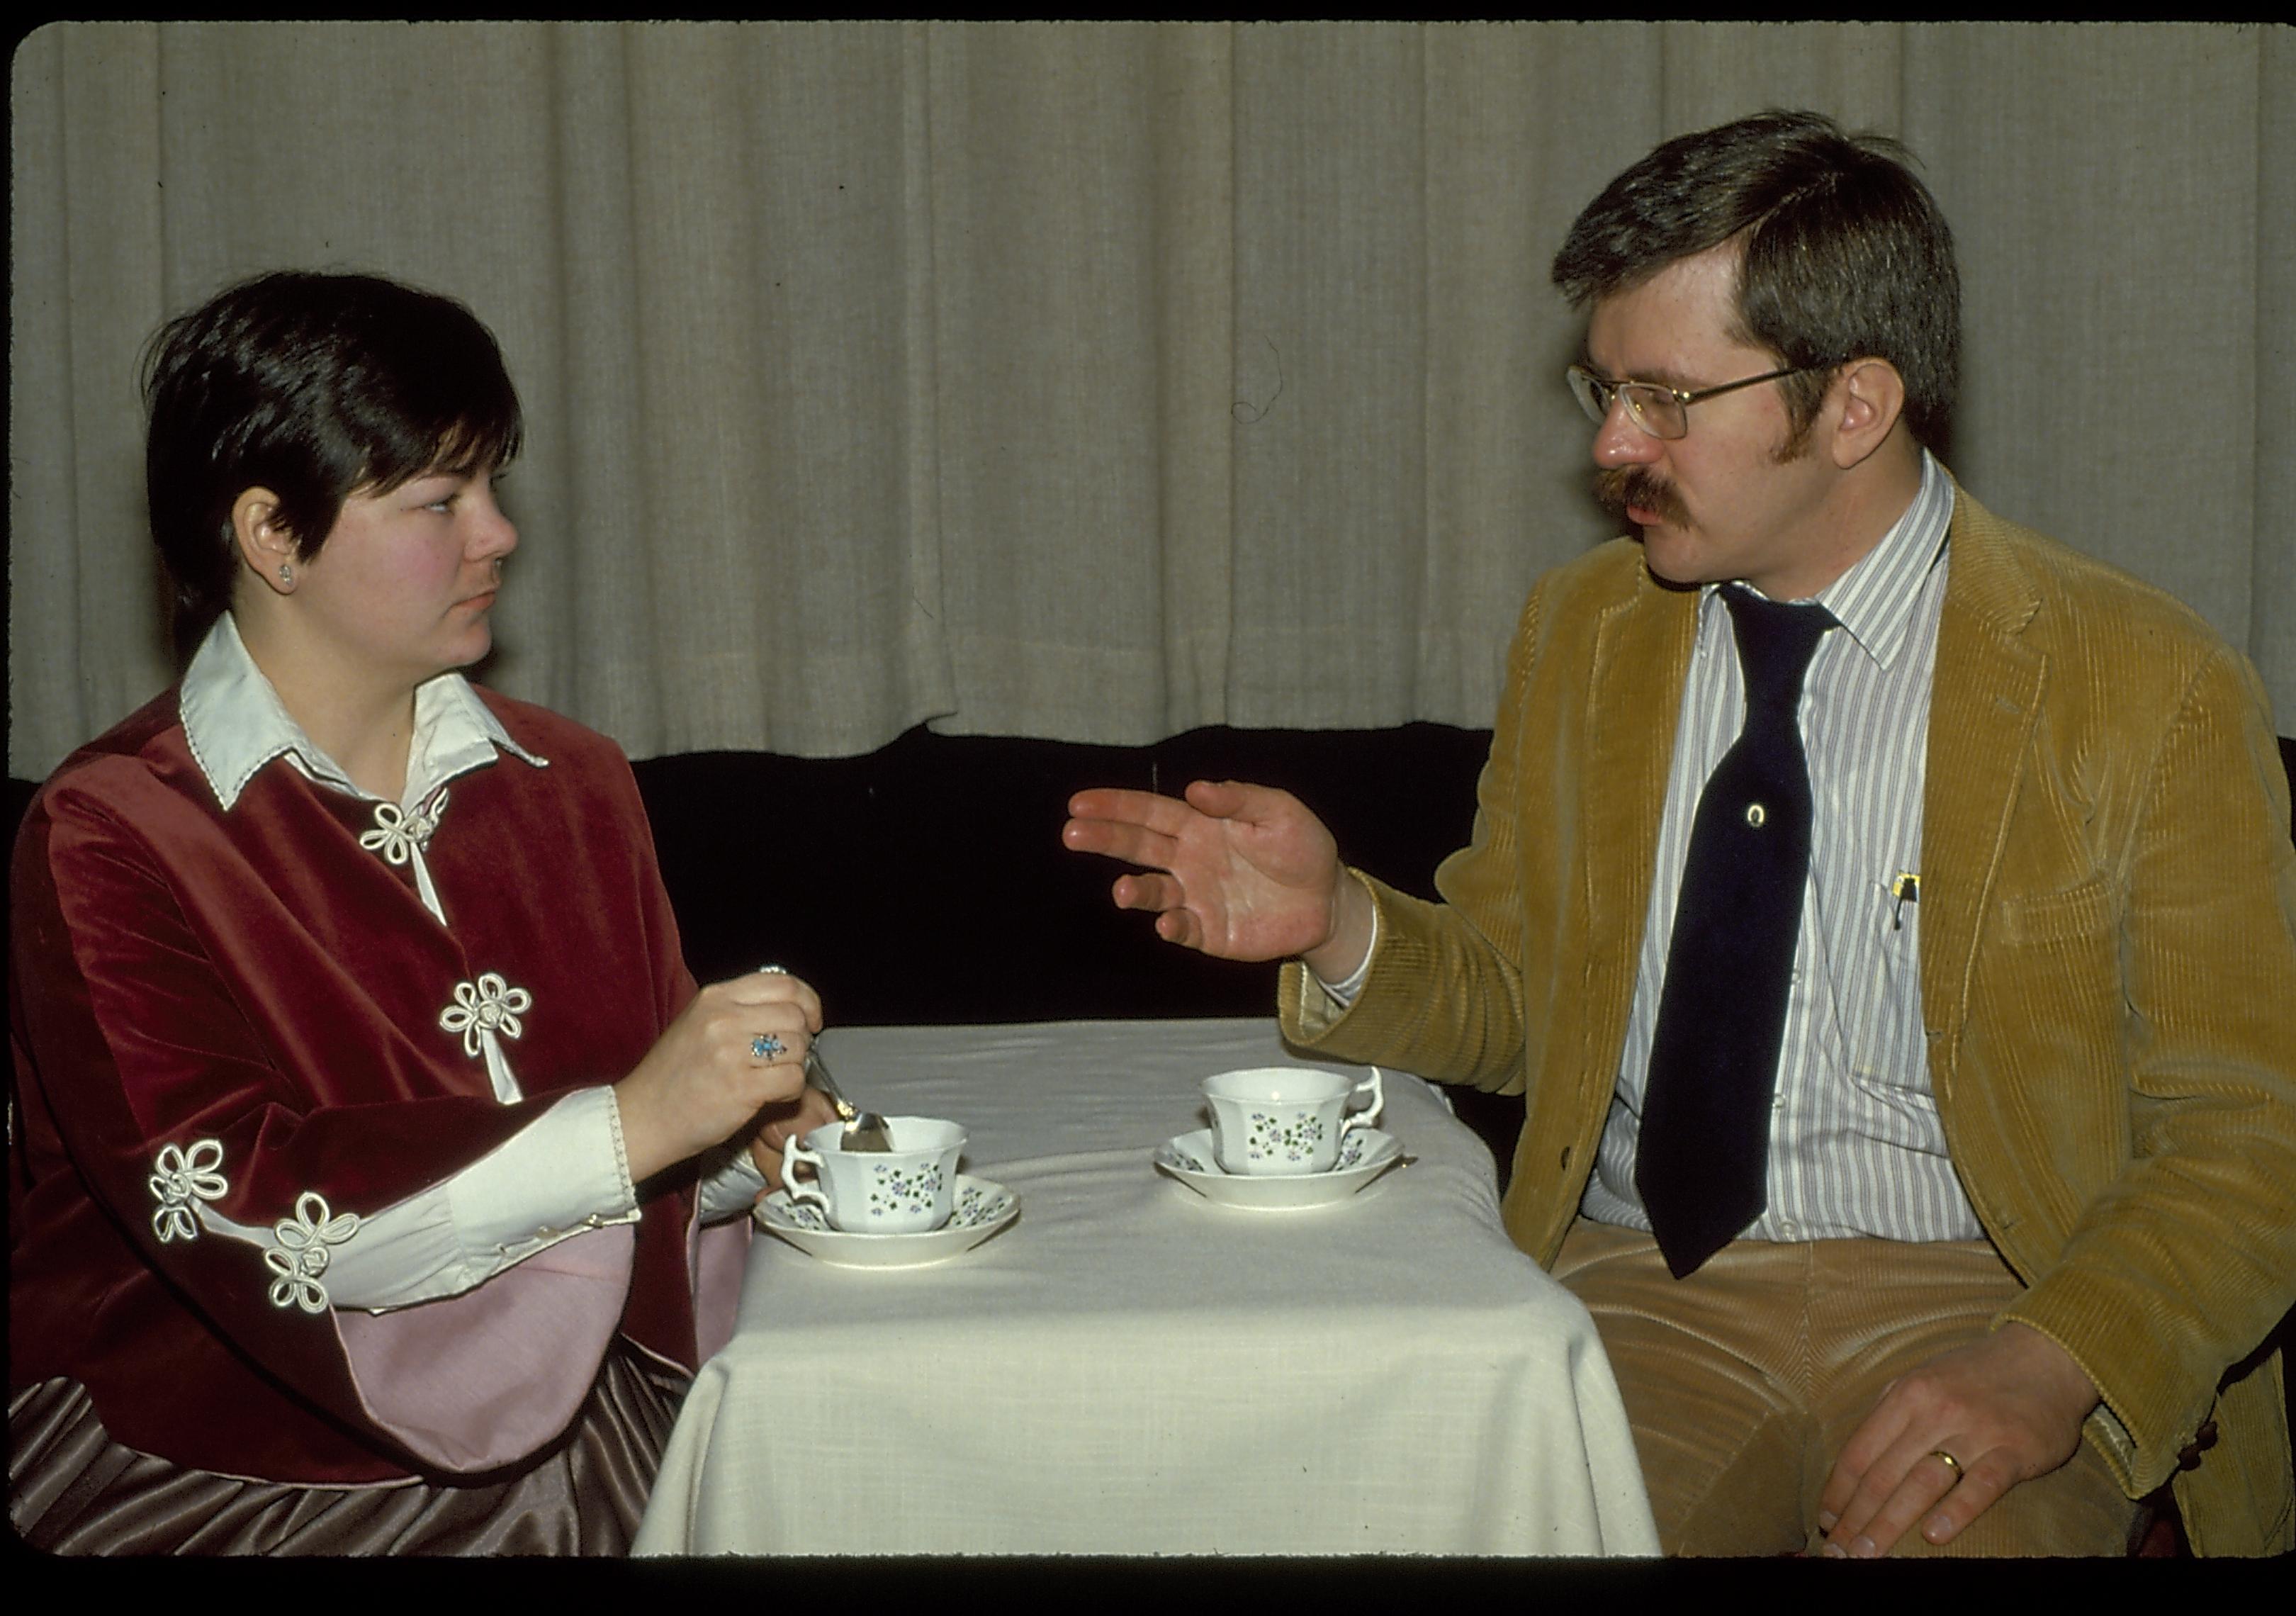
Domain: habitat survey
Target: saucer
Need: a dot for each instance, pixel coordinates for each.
(1363, 1155)
(981, 1209)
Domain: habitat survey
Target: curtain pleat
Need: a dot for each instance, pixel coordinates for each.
(1096, 383)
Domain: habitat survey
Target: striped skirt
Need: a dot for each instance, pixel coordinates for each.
(73, 1490)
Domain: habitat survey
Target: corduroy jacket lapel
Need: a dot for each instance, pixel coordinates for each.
(1986, 699)
(1643, 646)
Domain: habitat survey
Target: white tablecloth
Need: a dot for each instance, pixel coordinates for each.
(1129, 1368)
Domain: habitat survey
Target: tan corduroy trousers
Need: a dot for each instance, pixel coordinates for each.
(1743, 1382)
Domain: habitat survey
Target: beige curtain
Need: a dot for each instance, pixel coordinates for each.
(1097, 383)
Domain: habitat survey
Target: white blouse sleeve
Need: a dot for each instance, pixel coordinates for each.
(562, 1175)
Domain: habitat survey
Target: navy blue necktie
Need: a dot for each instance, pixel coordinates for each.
(1705, 1130)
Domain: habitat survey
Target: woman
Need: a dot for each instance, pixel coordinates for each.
(370, 1121)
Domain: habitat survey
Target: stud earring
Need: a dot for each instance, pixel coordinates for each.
(287, 575)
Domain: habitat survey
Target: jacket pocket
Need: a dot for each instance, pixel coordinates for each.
(2076, 914)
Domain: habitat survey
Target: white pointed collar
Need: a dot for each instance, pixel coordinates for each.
(1873, 601)
(236, 723)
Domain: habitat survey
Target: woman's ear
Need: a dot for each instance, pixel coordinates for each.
(265, 545)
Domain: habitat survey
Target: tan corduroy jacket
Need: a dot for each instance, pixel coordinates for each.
(2107, 969)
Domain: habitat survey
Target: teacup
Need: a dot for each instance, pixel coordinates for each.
(906, 1190)
(1272, 1120)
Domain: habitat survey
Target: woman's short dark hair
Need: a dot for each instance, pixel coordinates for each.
(1846, 254)
(314, 386)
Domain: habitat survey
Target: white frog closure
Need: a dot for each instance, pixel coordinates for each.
(180, 1179)
(301, 1255)
(401, 836)
(485, 1012)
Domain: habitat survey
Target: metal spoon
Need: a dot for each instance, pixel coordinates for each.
(864, 1130)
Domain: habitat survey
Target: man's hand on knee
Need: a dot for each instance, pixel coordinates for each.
(1945, 1441)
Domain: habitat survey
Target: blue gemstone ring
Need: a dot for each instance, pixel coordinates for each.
(764, 1046)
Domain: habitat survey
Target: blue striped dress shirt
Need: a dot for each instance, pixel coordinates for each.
(1855, 1148)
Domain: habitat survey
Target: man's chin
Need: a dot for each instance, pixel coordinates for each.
(1668, 556)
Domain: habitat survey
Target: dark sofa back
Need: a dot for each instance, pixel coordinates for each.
(926, 881)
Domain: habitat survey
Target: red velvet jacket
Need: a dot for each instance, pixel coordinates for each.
(256, 978)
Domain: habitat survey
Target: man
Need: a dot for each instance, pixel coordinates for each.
(1902, 985)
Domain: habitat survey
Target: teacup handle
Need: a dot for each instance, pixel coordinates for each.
(1369, 1114)
(792, 1153)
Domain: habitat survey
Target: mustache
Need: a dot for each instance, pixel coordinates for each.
(1619, 486)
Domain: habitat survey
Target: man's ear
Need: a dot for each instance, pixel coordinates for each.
(1869, 396)
(267, 548)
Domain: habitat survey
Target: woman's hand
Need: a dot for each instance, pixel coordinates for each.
(738, 1047)
(790, 1119)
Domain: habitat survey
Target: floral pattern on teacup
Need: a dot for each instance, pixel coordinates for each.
(1293, 1136)
(898, 1189)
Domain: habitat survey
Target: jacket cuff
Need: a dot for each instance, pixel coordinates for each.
(2141, 1436)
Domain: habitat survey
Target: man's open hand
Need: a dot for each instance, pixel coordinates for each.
(1242, 872)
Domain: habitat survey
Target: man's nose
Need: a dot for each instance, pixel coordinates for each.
(1618, 441)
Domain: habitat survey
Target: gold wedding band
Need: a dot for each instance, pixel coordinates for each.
(1951, 1463)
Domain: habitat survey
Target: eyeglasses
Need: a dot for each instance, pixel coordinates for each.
(1659, 410)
